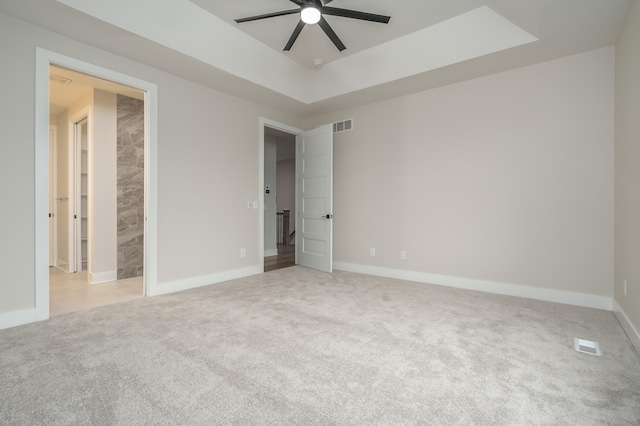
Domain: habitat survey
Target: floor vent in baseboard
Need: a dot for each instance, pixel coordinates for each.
(587, 347)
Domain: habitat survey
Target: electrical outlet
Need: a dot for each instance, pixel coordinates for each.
(403, 255)
(372, 251)
(243, 252)
(625, 287)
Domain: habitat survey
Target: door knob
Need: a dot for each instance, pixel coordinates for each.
(329, 216)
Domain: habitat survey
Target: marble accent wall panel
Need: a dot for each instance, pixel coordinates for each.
(130, 187)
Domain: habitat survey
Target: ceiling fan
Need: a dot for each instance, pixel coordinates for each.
(311, 12)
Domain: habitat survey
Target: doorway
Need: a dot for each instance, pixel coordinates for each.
(269, 133)
(45, 59)
(102, 179)
(279, 199)
(313, 194)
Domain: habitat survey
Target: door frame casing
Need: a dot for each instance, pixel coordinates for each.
(44, 59)
(262, 122)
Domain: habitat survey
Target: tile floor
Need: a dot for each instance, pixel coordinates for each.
(73, 292)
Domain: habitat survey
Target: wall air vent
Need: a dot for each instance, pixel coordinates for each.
(343, 126)
(587, 347)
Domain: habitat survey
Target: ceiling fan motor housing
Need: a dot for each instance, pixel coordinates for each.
(318, 8)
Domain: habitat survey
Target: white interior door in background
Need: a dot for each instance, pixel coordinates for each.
(78, 242)
(315, 198)
(53, 240)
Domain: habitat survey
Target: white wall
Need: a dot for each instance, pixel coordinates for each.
(103, 211)
(627, 196)
(270, 219)
(207, 170)
(16, 176)
(506, 179)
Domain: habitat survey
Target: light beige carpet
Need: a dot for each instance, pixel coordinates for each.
(297, 346)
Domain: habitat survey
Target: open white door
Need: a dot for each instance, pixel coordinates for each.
(78, 187)
(314, 224)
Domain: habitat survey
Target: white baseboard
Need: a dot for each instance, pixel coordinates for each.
(549, 295)
(272, 252)
(103, 277)
(627, 325)
(16, 318)
(204, 280)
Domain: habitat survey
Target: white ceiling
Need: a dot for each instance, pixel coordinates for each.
(66, 87)
(428, 43)
(407, 17)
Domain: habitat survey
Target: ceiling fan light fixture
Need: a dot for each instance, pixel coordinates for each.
(310, 15)
(311, 12)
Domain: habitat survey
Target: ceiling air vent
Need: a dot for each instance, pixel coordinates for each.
(343, 126)
(60, 79)
(587, 347)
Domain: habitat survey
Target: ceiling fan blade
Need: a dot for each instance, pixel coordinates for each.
(294, 36)
(298, 2)
(326, 1)
(354, 14)
(331, 34)
(268, 15)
